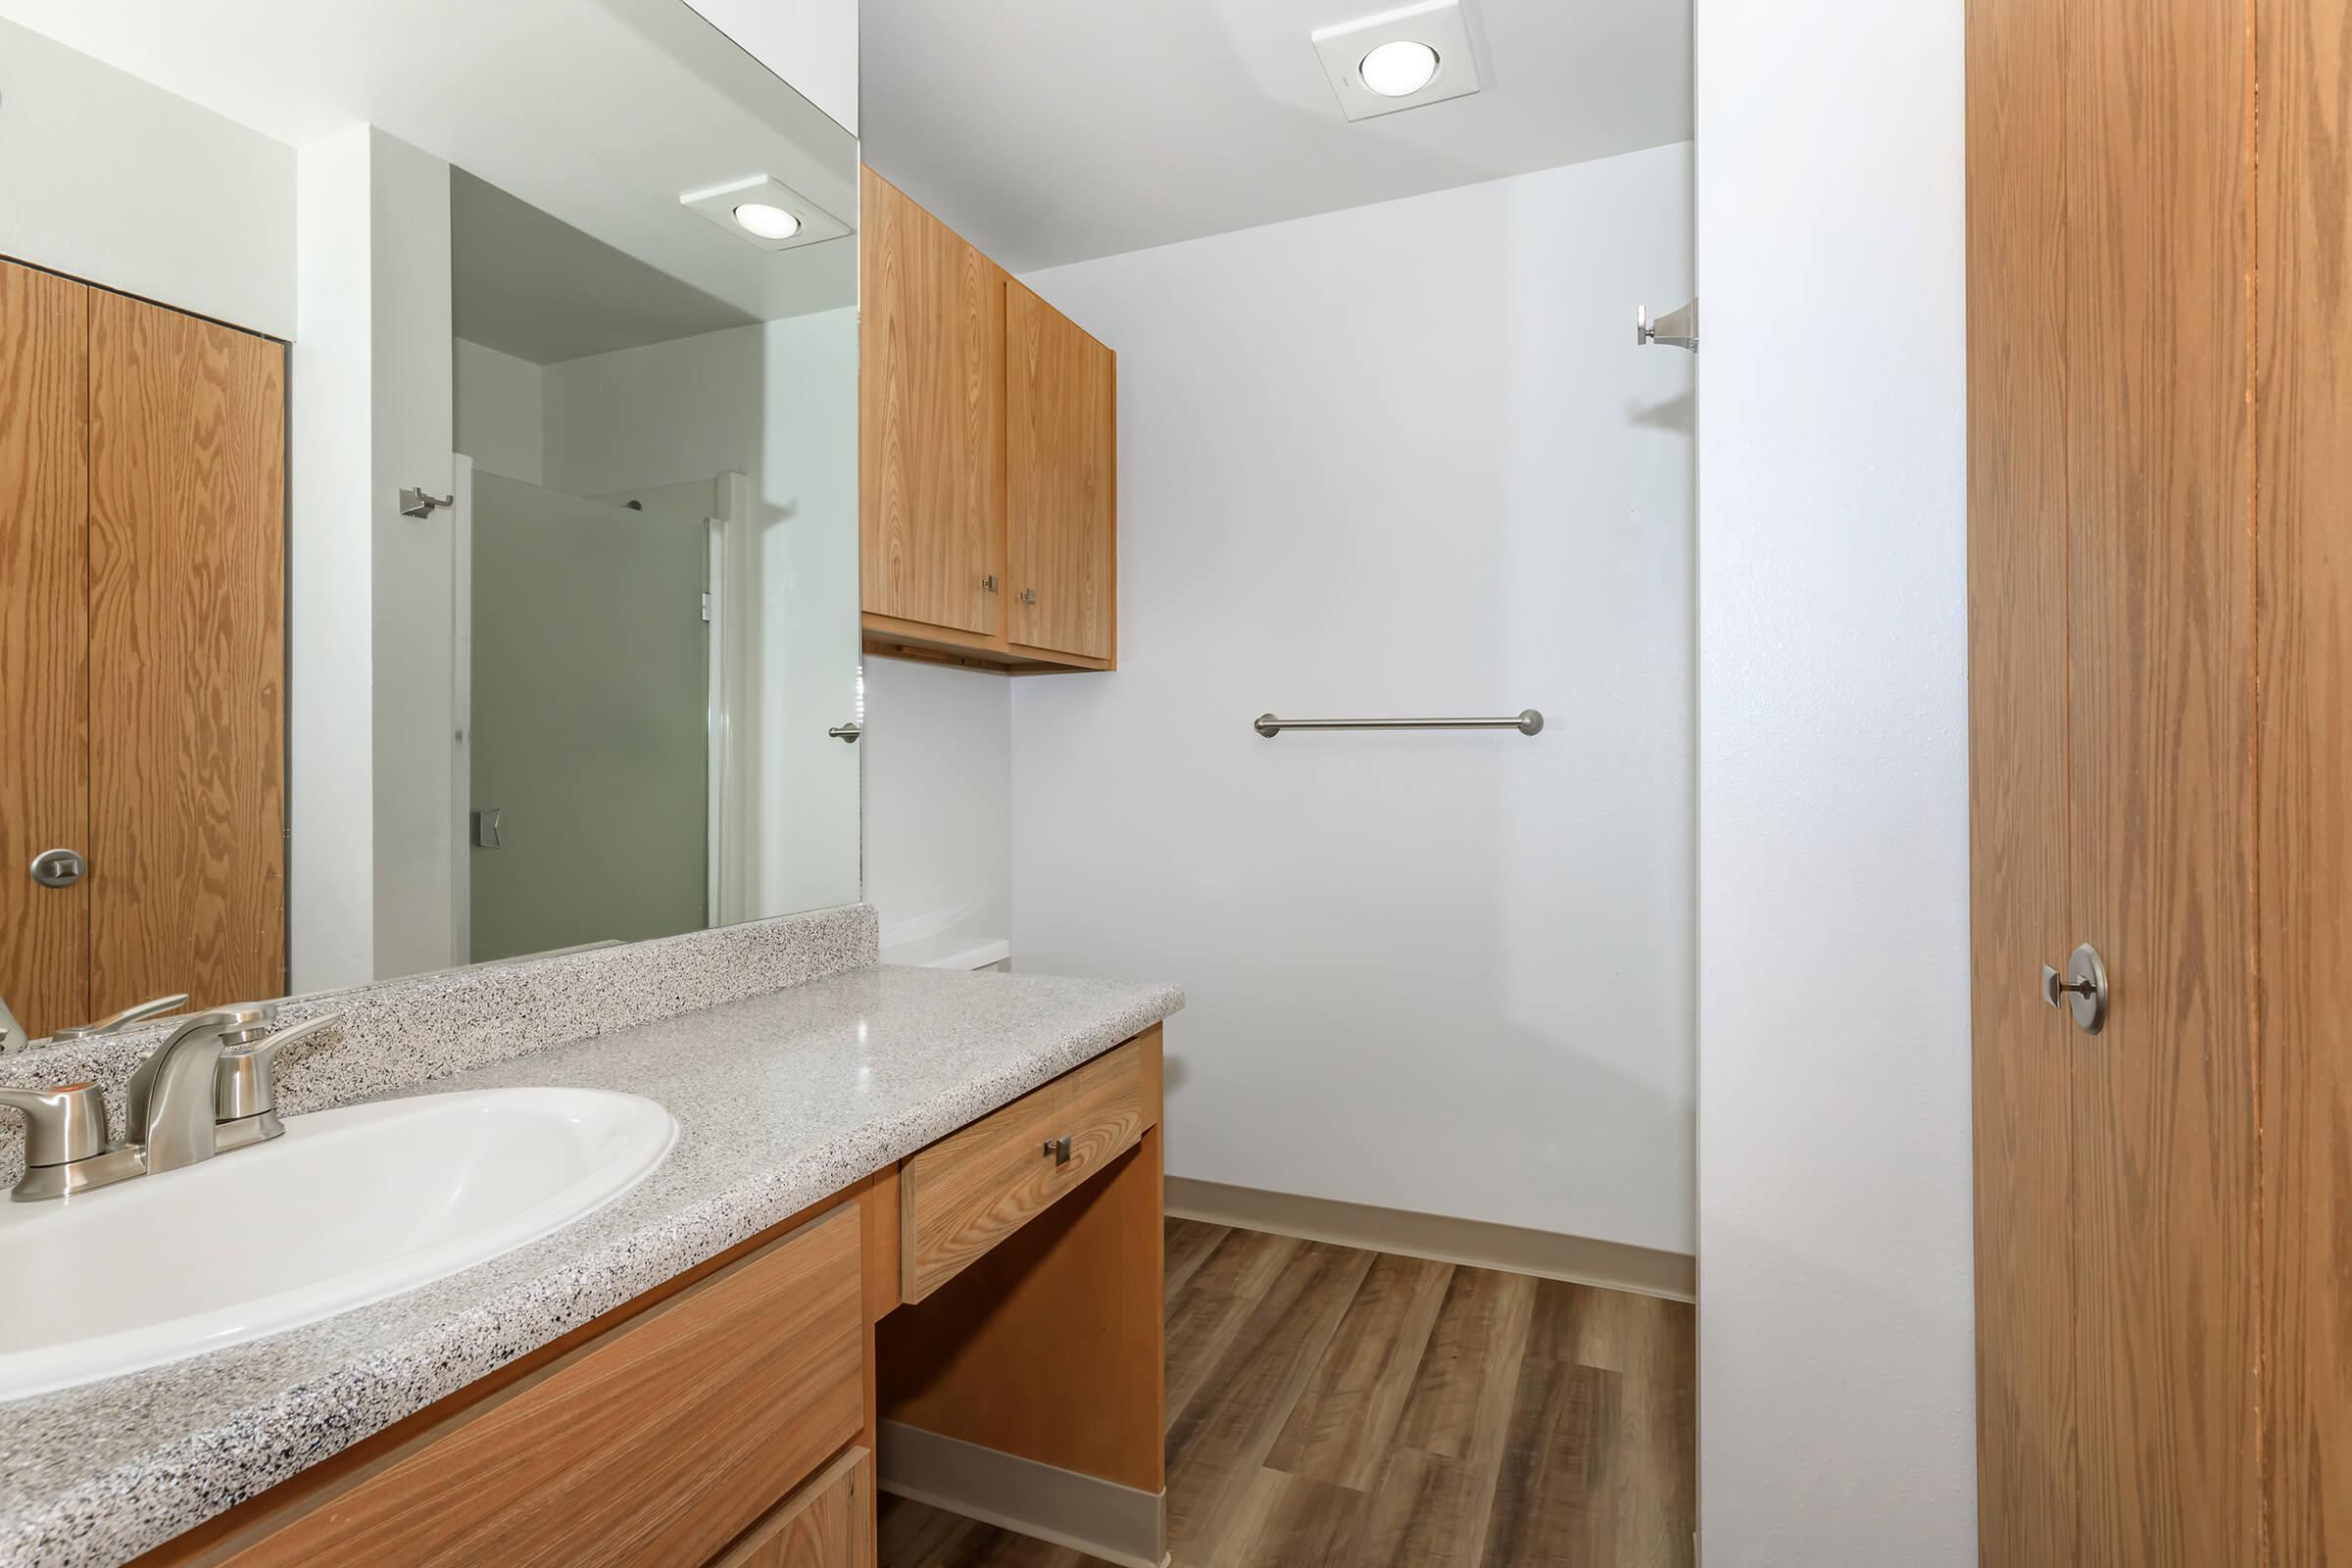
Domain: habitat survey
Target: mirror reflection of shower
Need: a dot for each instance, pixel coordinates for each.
(657, 533)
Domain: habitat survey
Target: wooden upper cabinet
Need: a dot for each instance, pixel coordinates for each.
(1062, 478)
(931, 426)
(986, 458)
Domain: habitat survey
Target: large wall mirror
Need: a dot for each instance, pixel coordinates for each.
(428, 493)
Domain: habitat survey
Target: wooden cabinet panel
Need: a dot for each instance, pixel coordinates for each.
(1062, 478)
(931, 419)
(2303, 591)
(969, 1191)
(659, 1445)
(44, 642)
(187, 696)
(829, 1523)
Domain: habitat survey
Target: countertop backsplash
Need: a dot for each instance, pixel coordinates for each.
(397, 1034)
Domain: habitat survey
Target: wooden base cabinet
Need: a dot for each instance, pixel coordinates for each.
(829, 1523)
(988, 458)
(730, 1417)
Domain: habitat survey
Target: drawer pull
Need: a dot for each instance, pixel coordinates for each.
(1058, 1149)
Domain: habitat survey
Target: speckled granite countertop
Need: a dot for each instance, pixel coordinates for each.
(780, 1100)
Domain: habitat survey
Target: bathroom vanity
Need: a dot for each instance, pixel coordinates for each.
(908, 1237)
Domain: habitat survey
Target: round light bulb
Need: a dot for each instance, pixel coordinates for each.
(766, 222)
(1399, 67)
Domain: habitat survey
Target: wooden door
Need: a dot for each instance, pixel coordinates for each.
(2027, 1478)
(188, 707)
(2158, 684)
(2111, 660)
(931, 419)
(2303, 593)
(44, 642)
(1062, 478)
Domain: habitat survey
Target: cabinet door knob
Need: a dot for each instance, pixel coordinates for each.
(58, 868)
(1058, 1149)
(989, 582)
(2082, 990)
(1028, 596)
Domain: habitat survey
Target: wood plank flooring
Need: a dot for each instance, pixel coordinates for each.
(1335, 1408)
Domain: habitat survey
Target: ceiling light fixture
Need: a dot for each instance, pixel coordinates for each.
(1399, 67)
(1418, 54)
(767, 221)
(766, 213)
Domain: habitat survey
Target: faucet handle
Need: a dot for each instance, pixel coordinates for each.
(66, 1148)
(245, 1082)
(120, 1021)
(61, 1124)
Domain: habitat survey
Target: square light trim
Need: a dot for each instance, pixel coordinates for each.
(720, 201)
(1438, 23)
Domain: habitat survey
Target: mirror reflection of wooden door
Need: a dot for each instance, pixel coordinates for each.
(187, 548)
(142, 452)
(44, 643)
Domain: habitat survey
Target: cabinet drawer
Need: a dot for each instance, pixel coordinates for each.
(972, 1189)
(828, 1524)
(656, 1445)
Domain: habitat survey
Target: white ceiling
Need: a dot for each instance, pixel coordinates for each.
(1053, 130)
(530, 285)
(599, 112)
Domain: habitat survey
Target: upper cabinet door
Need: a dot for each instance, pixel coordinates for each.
(1061, 479)
(931, 430)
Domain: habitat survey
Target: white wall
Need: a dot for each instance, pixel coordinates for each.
(811, 44)
(938, 800)
(500, 413)
(1835, 1371)
(415, 608)
(774, 401)
(330, 817)
(115, 181)
(1403, 458)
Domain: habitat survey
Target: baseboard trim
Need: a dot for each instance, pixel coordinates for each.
(1479, 1244)
(1061, 1508)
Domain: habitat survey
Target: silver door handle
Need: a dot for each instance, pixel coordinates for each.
(847, 733)
(2081, 991)
(59, 868)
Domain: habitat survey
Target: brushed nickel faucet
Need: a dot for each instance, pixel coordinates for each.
(208, 1089)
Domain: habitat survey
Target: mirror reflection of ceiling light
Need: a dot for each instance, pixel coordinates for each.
(1418, 54)
(766, 213)
(766, 221)
(1399, 67)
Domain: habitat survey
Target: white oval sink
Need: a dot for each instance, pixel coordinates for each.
(348, 1208)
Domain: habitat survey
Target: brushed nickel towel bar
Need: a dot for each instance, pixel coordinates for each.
(1526, 724)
